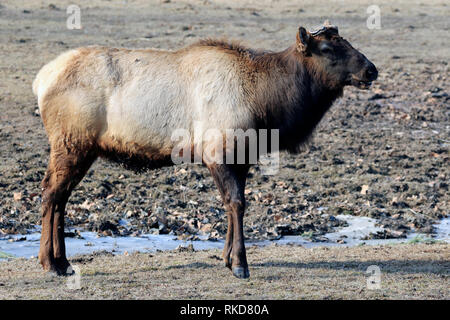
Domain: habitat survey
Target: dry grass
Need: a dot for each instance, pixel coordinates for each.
(409, 271)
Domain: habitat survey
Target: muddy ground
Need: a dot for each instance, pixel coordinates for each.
(391, 140)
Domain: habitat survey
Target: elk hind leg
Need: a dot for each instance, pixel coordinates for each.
(64, 172)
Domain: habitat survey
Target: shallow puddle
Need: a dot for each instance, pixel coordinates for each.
(358, 228)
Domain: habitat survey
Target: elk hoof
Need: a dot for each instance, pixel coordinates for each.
(241, 272)
(64, 271)
(58, 269)
(227, 262)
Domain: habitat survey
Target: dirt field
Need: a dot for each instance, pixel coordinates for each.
(393, 139)
(417, 271)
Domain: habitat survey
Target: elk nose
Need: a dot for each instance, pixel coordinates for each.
(371, 72)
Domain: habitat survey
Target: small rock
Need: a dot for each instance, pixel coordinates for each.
(377, 96)
(189, 248)
(364, 189)
(17, 196)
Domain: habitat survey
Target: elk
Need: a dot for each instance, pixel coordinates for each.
(124, 104)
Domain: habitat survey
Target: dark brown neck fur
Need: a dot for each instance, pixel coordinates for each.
(293, 96)
(286, 90)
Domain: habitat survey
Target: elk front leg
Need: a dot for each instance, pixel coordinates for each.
(239, 264)
(231, 183)
(229, 241)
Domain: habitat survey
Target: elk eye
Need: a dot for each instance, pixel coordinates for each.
(326, 50)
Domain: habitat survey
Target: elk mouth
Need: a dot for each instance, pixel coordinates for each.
(358, 83)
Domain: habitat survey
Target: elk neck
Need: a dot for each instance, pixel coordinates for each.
(291, 96)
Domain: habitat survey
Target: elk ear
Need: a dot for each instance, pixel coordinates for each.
(302, 40)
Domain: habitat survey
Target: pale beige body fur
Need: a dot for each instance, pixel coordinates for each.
(134, 99)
